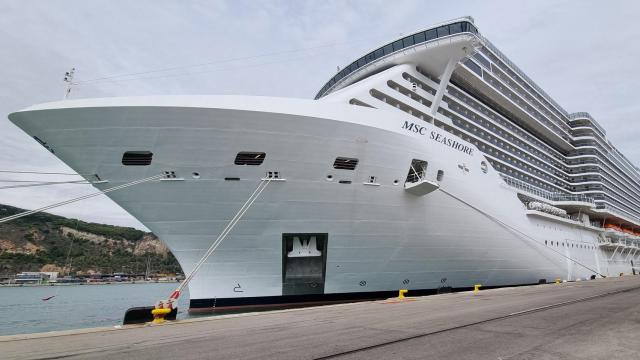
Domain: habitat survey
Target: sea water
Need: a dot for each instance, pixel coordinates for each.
(22, 309)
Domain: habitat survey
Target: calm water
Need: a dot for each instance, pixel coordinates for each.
(77, 306)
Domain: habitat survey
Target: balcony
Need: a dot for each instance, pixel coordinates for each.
(566, 201)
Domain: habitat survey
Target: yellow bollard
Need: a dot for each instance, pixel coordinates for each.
(476, 287)
(558, 281)
(401, 293)
(159, 314)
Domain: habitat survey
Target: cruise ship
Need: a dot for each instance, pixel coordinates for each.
(431, 163)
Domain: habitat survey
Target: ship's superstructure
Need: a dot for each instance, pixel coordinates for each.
(522, 131)
(431, 162)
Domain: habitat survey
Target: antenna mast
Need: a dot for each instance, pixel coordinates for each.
(68, 78)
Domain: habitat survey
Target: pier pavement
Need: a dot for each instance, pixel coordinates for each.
(597, 319)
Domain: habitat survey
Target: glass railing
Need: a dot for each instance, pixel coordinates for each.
(551, 196)
(586, 115)
(521, 73)
(534, 113)
(398, 45)
(620, 213)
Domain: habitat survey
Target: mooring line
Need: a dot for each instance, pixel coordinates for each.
(522, 234)
(102, 192)
(230, 225)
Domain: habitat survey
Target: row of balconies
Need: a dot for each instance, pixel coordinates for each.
(461, 97)
(498, 58)
(547, 122)
(499, 147)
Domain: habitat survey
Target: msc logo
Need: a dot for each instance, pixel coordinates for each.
(415, 128)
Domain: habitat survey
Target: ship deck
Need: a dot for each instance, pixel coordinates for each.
(597, 319)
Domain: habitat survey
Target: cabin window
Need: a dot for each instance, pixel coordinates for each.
(345, 163)
(249, 158)
(440, 175)
(137, 158)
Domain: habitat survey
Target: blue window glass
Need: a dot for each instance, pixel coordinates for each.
(361, 62)
(379, 53)
(443, 31)
(455, 28)
(482, 60)
(388, 49)
(465, 27)
(431, 34)
(408, 41)
(397, 45)
(369, 58)
(419, 37)
(474, 67)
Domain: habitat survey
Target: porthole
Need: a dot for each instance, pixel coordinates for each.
(396, 182)
(195, 175)
(329, 177)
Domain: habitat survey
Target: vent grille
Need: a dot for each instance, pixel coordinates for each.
(249, 158)
(345, 163)
(137, 158)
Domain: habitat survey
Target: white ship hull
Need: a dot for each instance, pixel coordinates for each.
(378, 237)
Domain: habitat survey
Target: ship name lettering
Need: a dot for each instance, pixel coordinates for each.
(415, 128)
(436, 136)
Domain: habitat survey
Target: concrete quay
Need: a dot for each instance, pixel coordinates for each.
(597, 319)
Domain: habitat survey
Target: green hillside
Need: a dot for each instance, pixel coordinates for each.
(45, 242)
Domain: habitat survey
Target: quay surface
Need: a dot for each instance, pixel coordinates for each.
(597, 319)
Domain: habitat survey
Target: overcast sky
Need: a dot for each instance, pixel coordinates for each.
(585, 54)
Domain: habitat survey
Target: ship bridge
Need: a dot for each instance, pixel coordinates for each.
(453, 40)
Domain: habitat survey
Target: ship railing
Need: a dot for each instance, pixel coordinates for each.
(615, 211)
(551, 196)
(521, 73)
(586, 115)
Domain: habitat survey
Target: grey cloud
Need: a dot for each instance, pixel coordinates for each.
(583, 53)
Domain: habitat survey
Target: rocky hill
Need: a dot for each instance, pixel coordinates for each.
(45, 242)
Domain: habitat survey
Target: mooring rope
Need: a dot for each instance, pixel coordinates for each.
(232, 223)
(41, 173)
(42, 183)
(522, 234)
(102, 192)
